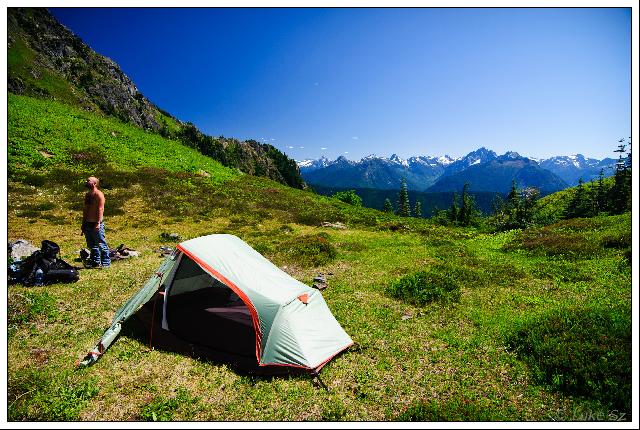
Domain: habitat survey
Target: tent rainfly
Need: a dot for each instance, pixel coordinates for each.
(218, 290)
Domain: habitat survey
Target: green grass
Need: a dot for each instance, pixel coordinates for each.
(29, 306)
(51, 137)
(164, 409)
(456, 410)
(52, 397)
(463, 359)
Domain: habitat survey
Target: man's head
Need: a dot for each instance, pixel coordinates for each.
(92, 183)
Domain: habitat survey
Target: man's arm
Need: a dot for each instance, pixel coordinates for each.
(85, 208)
(100, 198)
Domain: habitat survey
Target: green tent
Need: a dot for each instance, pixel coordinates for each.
(216, 290)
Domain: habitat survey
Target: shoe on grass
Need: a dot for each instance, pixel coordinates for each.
(91, 264)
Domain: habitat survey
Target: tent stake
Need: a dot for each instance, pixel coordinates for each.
(316, 375)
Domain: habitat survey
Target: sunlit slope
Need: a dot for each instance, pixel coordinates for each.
(45, 134)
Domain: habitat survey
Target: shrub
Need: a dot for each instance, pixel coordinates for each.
(427, 286)
(311, 250)
(620, 241)
(349, 197)
(580, 351)
(550, 242)
(333, 411)
(92, 157)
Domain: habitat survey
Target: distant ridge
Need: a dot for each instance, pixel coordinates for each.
(483, 169)
(498, 174)
(375, 172)
(573, 167)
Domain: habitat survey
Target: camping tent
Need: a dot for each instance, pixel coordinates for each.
(216, 290)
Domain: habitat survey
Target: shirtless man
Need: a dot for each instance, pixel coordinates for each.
(93, 224)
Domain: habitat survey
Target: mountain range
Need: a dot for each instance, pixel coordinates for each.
(46, 60)
(483, 169)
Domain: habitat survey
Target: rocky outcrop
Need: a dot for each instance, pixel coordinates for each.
(96, 81)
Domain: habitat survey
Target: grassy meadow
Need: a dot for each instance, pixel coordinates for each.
(449, 323)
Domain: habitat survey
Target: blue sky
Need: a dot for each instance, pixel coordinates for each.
(352, 82)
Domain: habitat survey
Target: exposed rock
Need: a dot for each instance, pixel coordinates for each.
(59, 50)
(337, 225)
(21, 248)
(320, 282)
(15, 85)
(171, 236)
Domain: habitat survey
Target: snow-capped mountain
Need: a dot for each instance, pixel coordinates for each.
(483, 168)
(573, 167)
(373, 171)
(497, 175)
(311, 165)
(443, 160)
(479, 156)
(397, 160)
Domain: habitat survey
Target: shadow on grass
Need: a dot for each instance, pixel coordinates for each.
(146, 327)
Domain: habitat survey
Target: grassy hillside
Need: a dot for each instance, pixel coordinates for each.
(522, 325)
(45, 136)
(553, 207)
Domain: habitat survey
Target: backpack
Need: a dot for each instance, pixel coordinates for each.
(54, 269)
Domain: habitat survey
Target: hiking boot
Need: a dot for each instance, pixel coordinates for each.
(91, 264)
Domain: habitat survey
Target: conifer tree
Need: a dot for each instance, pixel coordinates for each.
(621, 163)
(417, 211)
(579, 205)
(529, 196)
(513, 198)
(620, 193)
(601, 194)
(517, 211)
(513, 206)
(468, 211)
(404, 207)
(388, 207)
(453, 211)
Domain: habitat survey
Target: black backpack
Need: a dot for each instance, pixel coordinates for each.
(54, 269)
